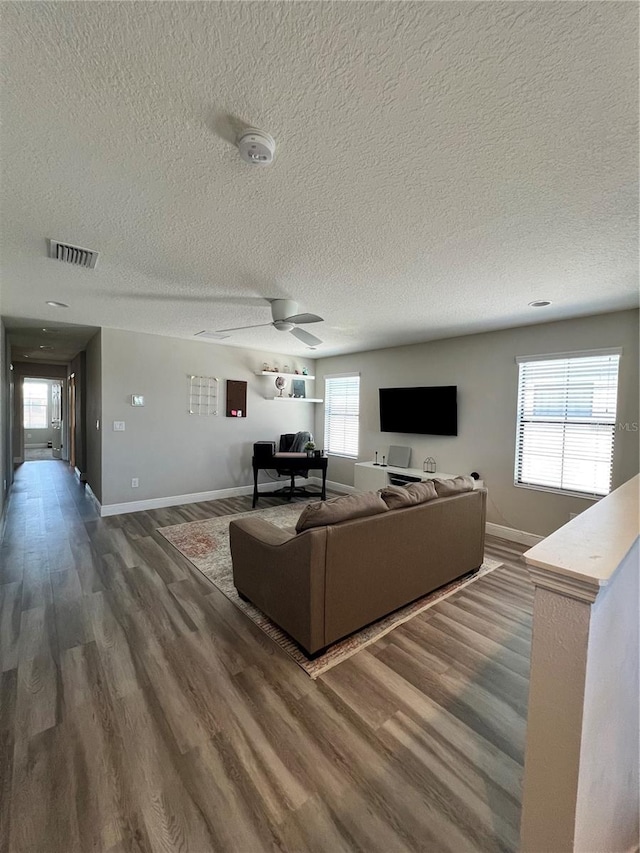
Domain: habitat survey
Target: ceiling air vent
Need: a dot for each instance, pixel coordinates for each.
(215, 336)
(69, 254)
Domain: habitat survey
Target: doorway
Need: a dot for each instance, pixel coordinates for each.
(42, 418)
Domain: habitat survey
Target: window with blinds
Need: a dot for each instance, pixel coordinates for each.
(566, 422)
(342, 415)
(35, 395)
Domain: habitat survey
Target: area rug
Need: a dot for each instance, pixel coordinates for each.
(206, 545)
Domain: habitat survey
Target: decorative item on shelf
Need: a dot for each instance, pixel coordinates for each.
(286, 369)
(297, 372)
(305, 372)
(265, 365)
(384, 464)
(474, 475)
(318, 454)
(281, 383)
(310, 446)
(429, 465)
(376, 462)
(298, 387)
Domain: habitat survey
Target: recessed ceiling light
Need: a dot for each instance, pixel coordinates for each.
(44, 347)
(540, 303)
(57, 304)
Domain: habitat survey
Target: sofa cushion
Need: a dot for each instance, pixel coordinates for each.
(444, 488)
(340, 509)
(423, 491)
(396, 497)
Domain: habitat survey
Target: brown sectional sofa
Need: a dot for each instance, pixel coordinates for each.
(322, 584)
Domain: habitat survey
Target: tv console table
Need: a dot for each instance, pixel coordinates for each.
(369, 477)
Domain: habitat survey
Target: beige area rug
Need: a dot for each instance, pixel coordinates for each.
(206, 545)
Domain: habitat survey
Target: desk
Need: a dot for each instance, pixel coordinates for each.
(290, 462)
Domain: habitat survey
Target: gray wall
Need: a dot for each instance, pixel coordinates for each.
(169, 450)
(6, 466)
(93, 415)
(78, 368)
(484, 369)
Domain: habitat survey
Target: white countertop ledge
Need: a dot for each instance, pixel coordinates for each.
(587, 551)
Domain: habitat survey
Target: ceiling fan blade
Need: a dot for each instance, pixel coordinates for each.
(299, 319)
(240, 328)
(306, 338)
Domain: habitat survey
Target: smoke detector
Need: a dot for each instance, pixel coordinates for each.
(256, 147)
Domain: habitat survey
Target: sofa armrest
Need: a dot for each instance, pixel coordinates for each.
(283, 575)
(262, 531)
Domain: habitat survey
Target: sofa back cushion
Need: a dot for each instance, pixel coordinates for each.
(397, 497)
(444, 488)
(422, 492)
(340, 509)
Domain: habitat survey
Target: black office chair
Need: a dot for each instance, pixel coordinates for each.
(294, 442)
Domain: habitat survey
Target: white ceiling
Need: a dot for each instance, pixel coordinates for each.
(439, 165)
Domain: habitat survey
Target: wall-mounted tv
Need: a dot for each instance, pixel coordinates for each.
(420, 411)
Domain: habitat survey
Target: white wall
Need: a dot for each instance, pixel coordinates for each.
(484, 369)
(169, 450)
(608, 788)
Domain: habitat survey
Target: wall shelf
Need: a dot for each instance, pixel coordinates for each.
(297, 399)
(285, 375)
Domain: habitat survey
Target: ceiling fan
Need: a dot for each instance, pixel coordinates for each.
(285, 319)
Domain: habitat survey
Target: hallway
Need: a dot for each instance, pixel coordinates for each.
(140, 710)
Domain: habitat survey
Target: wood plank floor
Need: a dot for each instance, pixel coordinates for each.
(141, 711)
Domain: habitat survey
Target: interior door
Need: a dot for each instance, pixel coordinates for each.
(56, 419)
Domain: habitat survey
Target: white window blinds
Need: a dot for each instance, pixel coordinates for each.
(35, 405)
(566, 422)
(342, 415)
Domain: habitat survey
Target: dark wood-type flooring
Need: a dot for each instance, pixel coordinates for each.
(140, 710)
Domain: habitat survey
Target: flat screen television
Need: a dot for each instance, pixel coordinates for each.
(420, 411)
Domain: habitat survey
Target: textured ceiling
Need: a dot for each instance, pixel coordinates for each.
(439, 165)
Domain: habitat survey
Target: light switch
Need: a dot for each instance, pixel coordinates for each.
(118, 426)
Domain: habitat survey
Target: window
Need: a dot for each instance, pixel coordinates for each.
(35, 405)
(566, 422)
(342, 415)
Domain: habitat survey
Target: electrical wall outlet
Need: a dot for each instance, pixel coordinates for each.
(134, 483)
(118, 426)
(573, 515)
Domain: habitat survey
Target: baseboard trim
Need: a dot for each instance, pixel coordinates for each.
(333, 486)
(196, 497)
(513, 535)
(94, 500)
